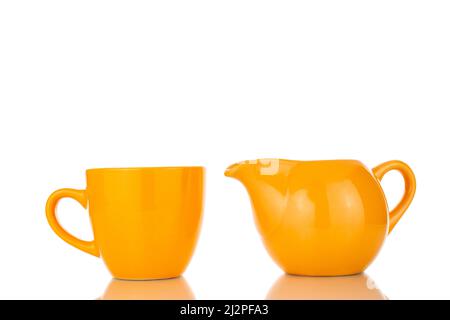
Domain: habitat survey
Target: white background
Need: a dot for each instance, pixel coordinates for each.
(145, 83)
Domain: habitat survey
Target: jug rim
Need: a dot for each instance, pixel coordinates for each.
(291, 160)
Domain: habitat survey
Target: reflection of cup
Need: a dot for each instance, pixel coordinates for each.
(145, 220)
(170, 289)
(357, 287)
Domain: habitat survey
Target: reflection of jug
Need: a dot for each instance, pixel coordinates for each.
(357, 287)
(321, 218)
(170, 289)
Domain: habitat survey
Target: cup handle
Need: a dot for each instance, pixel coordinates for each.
(410, 187)
(50, 209)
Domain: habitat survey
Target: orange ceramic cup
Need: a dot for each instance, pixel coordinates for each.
(145, 221)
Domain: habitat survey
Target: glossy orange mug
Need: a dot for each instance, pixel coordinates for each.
(322, 218)
(145, 221)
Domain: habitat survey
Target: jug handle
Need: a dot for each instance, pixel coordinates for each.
(410, 187)
(50, 209)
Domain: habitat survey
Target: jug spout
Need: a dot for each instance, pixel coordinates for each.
(266, 184)
(253, 168)
(233, 170)
(242, 171)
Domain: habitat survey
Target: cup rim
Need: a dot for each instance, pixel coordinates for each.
(143, 168)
